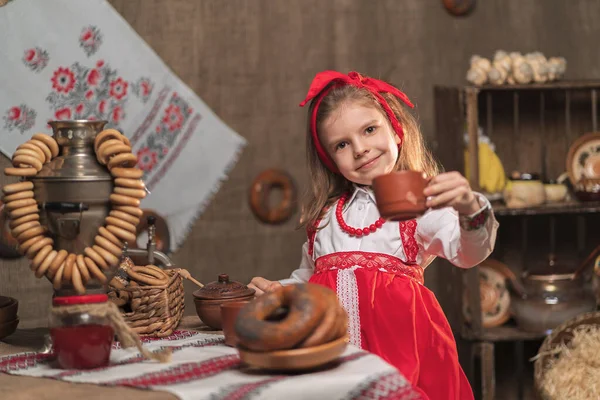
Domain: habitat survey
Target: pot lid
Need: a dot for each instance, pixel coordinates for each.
(551, 270)
(223, 288)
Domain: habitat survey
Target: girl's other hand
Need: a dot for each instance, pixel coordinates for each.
(262, 285)
(451, 189)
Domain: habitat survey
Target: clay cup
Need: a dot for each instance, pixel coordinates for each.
(400, 195)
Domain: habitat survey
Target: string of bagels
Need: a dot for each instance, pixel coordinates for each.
(113, 150)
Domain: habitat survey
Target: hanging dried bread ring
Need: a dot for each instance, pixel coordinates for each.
(44, 148)
(122, 160)
(130, 183)
(128, 173)
(120, 223)
(17, 187)
(108, 245)
(121, 233)
(97, 258)
(40, 257)
(26, 194)
(76, 280)
(43, 267)
(48, 141)
(105, 135)
(29, 152)
(27, 161)
(23, 227)
(20, 171)
(124, 216)
(24, 246)
(259, 196)
(106, 234)
(36, 246)
(94, 270)
(114, 150)
(13, 205)
(20, 212)
(57, 280)
(56, 263)
(15, 223)
(29, 233)
(135, 211)
(135, 193)
(306, 307)
(104, 153)
(110, 258)
(83, 269)
(34, 148)
(124, 200)
(69, 266)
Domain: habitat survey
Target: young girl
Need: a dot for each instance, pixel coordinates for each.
(358, 129)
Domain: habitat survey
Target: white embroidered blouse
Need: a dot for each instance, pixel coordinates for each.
(438, 233)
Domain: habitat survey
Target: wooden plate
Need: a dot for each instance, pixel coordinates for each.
(295, 359)
(584, 157)
(495, 297)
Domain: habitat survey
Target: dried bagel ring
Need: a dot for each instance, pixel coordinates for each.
(15, 223)
(94, 270)
(34, 148)
(29, 152)
(135, 193)
(43, 267)
(306, 310)
(109, 149)
(48, 141)
(26, 194)
(127, 160)
(17, 187)
(130, 183)
(45, 149)
(120, 223)
(69, 266)
(124, 216)
(124, 200)
(28, 161)
(13, 205)
(20, 171)
(105, 135)
(328, 324)
(23, 247)
(125, 140)
(108, 245)
(31, 232)
(128, 173)
(58, 261)
(110, 258)
(57, 280)
(121, 233)
(20, 212)
(40, 257)
(76, 280)
(106, 234)
(148, 276)
(97, 258)
(23, 227)
(83, 269)
(135, 211)
(35, 247)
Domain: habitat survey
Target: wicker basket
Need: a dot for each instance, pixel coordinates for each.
(561, 334)
(155, 310)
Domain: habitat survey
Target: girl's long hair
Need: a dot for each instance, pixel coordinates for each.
(326, 187)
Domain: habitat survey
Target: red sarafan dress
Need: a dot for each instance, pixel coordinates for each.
(379, 282)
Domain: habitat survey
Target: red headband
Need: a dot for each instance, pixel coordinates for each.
(374, 86)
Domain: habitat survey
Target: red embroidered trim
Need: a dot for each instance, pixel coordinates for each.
(407, 234)
(380, 261)
(311, 232)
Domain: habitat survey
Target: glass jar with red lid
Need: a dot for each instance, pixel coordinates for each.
(81, 337)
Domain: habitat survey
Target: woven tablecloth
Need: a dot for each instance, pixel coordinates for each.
(202, 367)
(72, 59)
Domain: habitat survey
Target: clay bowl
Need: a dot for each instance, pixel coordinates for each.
(8, 328)
(400, 195)
(229, 313)
(8, 309)
(295, 359)
(209, 310)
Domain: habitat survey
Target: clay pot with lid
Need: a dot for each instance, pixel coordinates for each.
(208, 299)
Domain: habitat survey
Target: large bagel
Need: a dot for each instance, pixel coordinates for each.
(307, 305)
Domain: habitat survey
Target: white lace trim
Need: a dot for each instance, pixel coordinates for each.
(347, 291)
